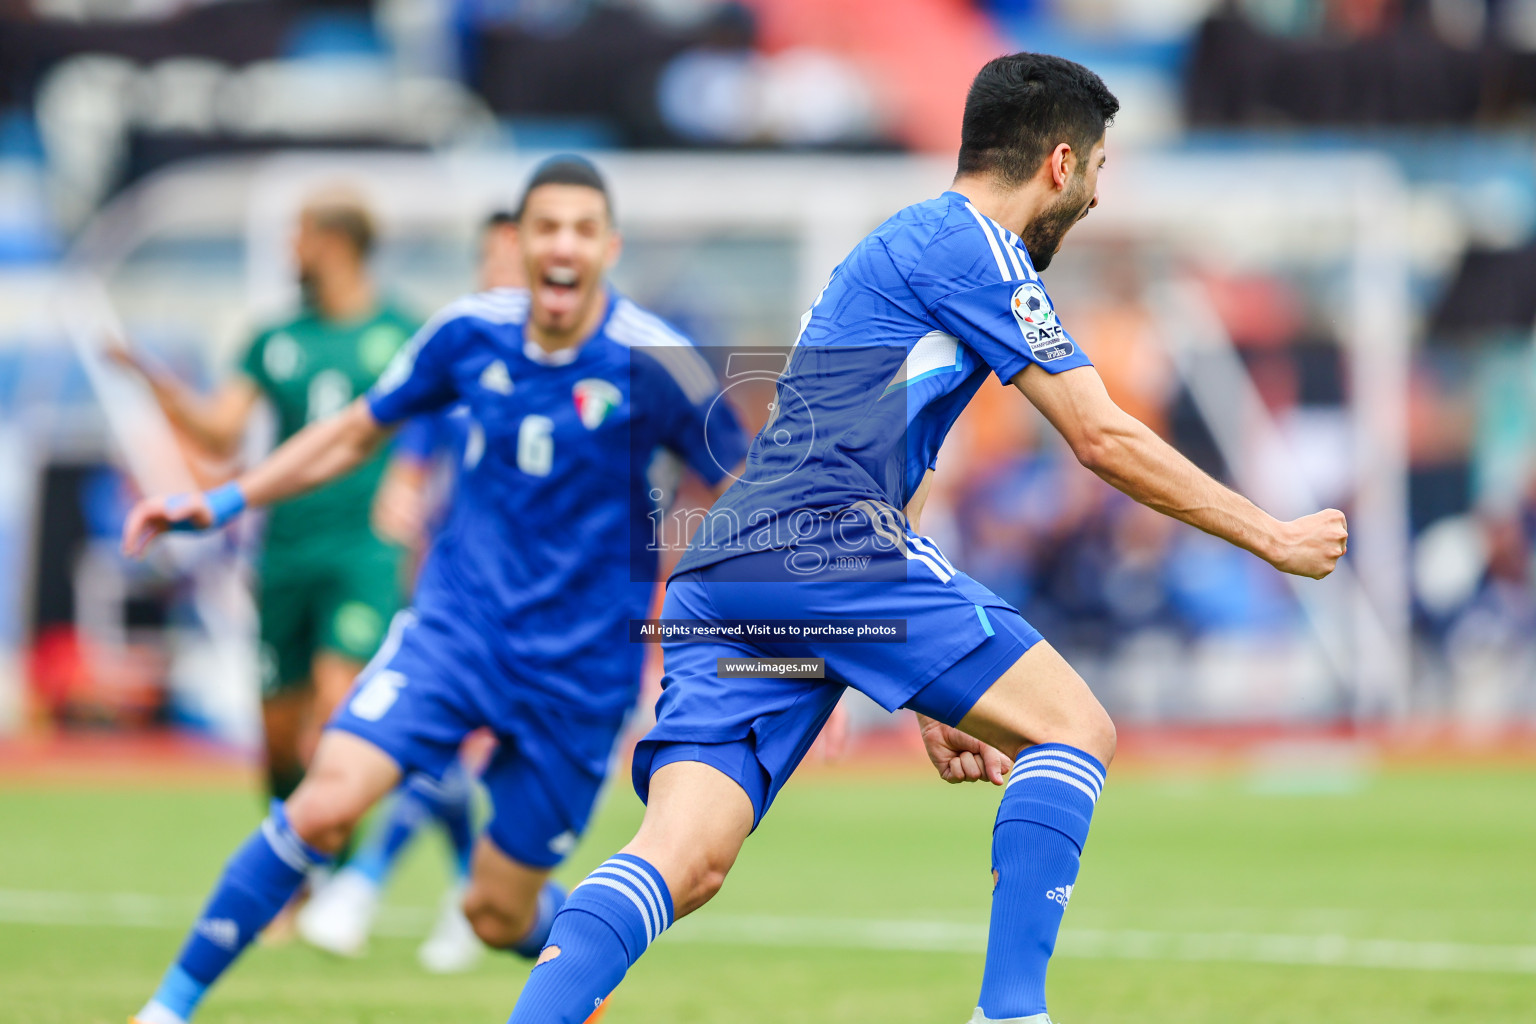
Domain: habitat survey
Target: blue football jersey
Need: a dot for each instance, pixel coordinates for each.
(545, 555)
(897, 343)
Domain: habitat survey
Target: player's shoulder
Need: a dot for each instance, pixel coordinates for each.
(649, 339)
(479, 315)
(493, 306)
(452, 333)
(966, 249)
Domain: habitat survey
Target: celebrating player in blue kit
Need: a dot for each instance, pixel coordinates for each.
(409, 508)
(823, 525)
(520, 616)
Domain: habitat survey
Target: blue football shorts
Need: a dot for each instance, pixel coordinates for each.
(960, 638)
(429, 687)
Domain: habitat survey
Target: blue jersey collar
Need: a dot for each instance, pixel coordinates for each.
(536, 353)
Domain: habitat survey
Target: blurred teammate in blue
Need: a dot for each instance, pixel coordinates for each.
(409, 508)
(824, 525)
(520, 616)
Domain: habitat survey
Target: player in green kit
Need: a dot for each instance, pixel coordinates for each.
(328, 584)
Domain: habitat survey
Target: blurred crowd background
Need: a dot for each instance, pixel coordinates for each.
(1314, 270)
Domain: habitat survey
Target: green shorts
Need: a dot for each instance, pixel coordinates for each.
(337, 604)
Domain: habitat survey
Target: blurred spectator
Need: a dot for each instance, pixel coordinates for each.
(722, 91)
(1118, 326)
(1355, 62)
(707, 93)
(575, 62)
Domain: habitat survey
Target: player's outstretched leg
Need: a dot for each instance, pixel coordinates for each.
(347, 776)
(695, 822)
(340, 916)
(507, 905)
(1041, 708)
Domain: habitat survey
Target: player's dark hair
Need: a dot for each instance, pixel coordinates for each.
(347, 218)
(566, 169)
(1022, 106)
(498, 219)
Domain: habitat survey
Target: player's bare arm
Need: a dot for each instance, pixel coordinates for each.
(400, 504)
(1126, 454)
(316, 455)
(214, 422)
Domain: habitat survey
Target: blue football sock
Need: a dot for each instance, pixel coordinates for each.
(258, 880)
(551, 898)
(453, 807)
(1042, 824)
(607, 922)
(419, 800)
(375, 859)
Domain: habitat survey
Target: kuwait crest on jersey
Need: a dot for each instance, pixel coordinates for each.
(595, 399)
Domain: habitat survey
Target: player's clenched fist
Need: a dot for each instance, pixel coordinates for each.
(960, 757)
(1312, 545)
(154, 516)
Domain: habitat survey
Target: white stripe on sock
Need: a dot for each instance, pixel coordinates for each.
(632, 896)
(288, 847)
(619, 869)
(1044, 773)
(1089, 766)
(1058, 762)
(656, 890)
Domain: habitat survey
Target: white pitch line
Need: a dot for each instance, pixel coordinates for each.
(130, 910)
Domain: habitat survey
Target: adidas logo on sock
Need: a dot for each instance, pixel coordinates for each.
(1061, 894)
(220, 931)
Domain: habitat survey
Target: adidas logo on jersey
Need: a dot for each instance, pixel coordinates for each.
(1061, 894)
(496, 378)
(220, 931)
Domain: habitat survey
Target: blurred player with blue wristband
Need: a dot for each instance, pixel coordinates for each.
(519, 621)
(410, 508)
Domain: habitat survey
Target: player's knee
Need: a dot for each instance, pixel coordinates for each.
(706, 879)
(498, 923)
(709, 883)
(322, 813)
(1101, 738)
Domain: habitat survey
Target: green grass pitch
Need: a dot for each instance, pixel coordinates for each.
(863, 898)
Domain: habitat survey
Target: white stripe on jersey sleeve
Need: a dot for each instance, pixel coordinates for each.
(1011, 244)
(633, 327)
(498, 306)
(1029, 268)
(997, 253)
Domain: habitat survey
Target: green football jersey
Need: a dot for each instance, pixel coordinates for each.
(311, 368)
